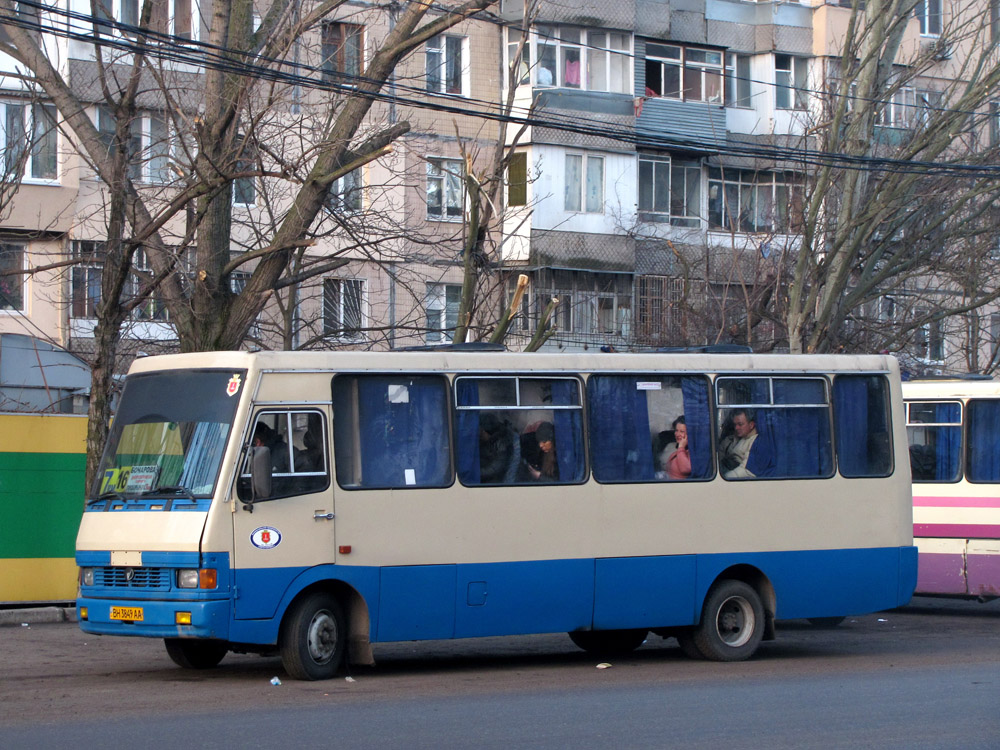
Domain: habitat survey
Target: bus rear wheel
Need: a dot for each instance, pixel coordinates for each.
(312, 638)
(191, 653)
(732, 622)
(608, 642)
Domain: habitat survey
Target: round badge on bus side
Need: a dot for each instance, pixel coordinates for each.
(265, 537)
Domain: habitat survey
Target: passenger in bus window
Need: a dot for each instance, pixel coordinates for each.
(264, 436)
(499, 450)
(734, 450)
(540, 458)
(674, 461)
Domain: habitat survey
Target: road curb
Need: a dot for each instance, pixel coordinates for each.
(37, 615)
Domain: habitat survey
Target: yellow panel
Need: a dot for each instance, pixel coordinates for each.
(38, 433)
(41, 579)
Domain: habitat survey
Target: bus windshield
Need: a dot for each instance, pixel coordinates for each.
(169, 434)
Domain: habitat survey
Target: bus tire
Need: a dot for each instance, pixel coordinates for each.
(191, 653)
(608, 642)
(732, 622)
(312, 638)
(685, 640)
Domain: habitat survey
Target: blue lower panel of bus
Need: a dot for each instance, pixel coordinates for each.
(480, 599)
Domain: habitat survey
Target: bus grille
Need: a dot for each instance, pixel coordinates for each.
(140, 578)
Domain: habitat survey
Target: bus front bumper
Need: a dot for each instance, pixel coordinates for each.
(155, 619)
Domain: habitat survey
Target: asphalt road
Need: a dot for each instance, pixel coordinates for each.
(925, 676)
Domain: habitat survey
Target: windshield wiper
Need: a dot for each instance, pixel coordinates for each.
(170, 490)
(112, 495)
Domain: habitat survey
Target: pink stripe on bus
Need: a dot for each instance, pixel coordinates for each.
(927, 501)
(957, 531)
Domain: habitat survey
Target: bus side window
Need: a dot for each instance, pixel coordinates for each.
(861, 414)
(633, 421)
(517, 430)
(783, 428)
(391, 431)
(983, 462)
(934, 433)
(295, 469)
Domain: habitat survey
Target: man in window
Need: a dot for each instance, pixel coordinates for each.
(734, 450)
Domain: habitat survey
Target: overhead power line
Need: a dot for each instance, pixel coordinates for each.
(166, 47)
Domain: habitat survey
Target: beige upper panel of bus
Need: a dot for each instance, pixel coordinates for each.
(945, 389)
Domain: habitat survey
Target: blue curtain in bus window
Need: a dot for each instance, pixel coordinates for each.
(850, 411)
(404, 432)
(948, 442)
(569, 431)
(698, 420)
(621, 450)
(762, 462)
(984, 441)
(467, 432)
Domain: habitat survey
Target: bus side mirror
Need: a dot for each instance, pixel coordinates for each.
(260, 473)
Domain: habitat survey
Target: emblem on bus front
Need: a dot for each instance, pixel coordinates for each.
(233, 386)
(265, 537)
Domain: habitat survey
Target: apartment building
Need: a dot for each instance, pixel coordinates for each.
(652, 191)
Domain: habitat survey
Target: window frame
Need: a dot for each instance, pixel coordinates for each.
(448, 77)
(729, 177)
(13, 248)
(791, 83)
(738, 88)
(588, 202)
(448, 175)
(442, 312)
(341, 331)
(35, 153)
(907, 407)
(288, 412)
(344, 62)
(931, 19)
(690, 71)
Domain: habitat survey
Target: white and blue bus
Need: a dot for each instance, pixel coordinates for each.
(312, 504)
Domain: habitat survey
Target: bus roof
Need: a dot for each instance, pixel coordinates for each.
(464, 361)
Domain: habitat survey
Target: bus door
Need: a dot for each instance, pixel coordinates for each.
(278, 536)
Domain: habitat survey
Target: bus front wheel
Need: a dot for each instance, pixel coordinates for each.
(312, 638)
(191, 653)
(732, 622)
(610, 642)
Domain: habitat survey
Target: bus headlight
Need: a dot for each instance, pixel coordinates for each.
(187, 579)
(86, 576)
(190, 578)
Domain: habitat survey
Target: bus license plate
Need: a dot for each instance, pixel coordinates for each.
(128, 614)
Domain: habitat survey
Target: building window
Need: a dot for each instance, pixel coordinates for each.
(791, 81)
(688, 73)
(445, 192)
(152, 308)
(900, 111)
(445, 73)
(929, 341)
(343, 308)
(584, 190)
(11, 285)
(342, 52)
(149, 144)
(741, 200)
(738, 80)
(589, 59)
(85, 292)
(245, 186)
(441, 307)
(669, 191)
(930, 17)
(994, 124)
(660, 310)
(30, 140)
(346, 193)
(524, 64)
(517, 179)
